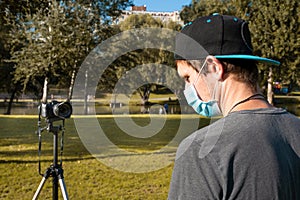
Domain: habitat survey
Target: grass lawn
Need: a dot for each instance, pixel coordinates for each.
(85, 176)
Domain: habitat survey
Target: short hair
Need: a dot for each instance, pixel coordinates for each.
(243, 70)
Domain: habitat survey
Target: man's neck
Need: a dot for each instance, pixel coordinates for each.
(238, 96)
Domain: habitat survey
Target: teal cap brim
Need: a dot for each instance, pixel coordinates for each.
(249, 57)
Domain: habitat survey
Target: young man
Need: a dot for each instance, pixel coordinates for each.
(253, 152)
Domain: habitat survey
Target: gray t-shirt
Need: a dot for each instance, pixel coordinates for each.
(252, 154)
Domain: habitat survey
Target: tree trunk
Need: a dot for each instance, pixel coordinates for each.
(45, 91)
(145, 95)
(71, 86)
(270, 86)
(12, 96)
(85, 93)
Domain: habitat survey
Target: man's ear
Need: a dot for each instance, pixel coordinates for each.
(216, 67)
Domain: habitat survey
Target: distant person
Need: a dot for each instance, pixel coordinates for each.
(253, 152)
(166, 107)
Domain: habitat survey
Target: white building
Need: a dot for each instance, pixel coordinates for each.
(163, 16)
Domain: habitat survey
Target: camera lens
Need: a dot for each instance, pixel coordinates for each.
(62, 110)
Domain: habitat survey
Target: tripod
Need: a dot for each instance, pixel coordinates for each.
(55, 170)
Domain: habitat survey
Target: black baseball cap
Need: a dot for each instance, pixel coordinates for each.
(223, 36)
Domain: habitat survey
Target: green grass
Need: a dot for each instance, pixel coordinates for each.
(85, 176)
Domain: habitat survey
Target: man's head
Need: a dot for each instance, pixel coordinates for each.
(215, 49)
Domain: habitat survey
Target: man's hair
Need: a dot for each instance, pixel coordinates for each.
(245, 71)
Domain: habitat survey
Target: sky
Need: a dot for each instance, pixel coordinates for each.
(162, 5)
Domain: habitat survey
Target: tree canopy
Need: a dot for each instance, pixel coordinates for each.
(151, 62)
(52, 38)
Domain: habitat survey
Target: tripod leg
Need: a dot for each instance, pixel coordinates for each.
(45, 177)
(63, 189)
(38, 191)
(60, 175)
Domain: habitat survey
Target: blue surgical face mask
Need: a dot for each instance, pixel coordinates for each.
(207, 109)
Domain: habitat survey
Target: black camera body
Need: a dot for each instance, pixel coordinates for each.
(56, 110)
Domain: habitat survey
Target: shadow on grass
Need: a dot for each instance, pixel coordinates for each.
(45, 160)
(20, 142)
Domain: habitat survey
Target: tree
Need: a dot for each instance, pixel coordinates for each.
(10, 8)
(55, 40)
(275, 27)
(137, 57)
(149, 62)
(50, 45)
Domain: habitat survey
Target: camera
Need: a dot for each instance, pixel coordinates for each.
(56, 110)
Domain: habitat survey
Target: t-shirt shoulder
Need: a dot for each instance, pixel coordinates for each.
(272, 110)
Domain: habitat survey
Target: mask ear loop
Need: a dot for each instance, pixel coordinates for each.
(214, 95)
(214, 92)
(198, 77)
(200, 72)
